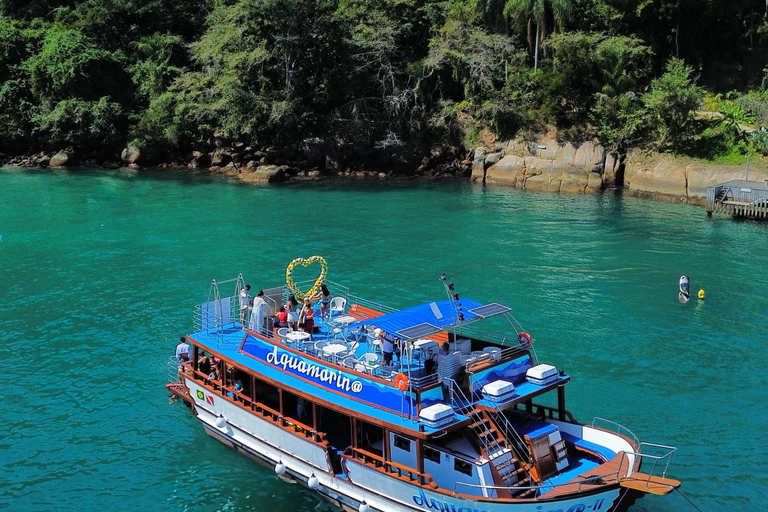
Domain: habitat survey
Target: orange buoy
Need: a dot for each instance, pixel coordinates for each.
(401, 381)
(524, 339)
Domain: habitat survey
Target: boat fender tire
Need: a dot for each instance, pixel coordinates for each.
(524, 339)
(401, 381)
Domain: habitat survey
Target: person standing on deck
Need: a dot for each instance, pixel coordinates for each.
(257, 312)
(324, 298)
(182, 350)
(245, 300)
(387, 347)
(293, 315)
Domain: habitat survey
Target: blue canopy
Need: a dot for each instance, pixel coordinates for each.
(432, 317)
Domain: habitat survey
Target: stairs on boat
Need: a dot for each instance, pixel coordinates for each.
(506, 466)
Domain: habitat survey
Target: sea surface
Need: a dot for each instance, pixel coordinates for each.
(100, 272)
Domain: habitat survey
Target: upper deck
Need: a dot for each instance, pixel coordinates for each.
(341, 363)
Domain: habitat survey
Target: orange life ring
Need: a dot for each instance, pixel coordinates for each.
(401, 381)
(525, 339)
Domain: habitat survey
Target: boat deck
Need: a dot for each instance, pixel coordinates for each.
(227, 343)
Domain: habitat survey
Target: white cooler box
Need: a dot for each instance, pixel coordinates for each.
(436, 416)
(541, 374)
(499, 391)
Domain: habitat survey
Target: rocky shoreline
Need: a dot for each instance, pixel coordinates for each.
(269, 165)
(544, 165)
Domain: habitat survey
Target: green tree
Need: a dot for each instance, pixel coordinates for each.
(537, 12)
(671, 101)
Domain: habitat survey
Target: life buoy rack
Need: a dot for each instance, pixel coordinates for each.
(524, 339)
(401, 381)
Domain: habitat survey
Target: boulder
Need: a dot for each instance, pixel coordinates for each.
(478, 165)
(220, 159)
(60, 159)
(492, 159)
(130, 155)
(267, 174)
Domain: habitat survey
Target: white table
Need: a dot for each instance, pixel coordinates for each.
(344, 321)
(298, 336)
(333, 350)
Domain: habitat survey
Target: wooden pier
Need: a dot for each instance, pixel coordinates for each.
(739, 198)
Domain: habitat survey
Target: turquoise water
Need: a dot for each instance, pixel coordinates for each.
(100, 272)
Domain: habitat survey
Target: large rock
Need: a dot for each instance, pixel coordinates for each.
(478, 165)
(267, 174)
(673, 179)
(130, 155)
(60, 159)
(219, 158)
(547, 165)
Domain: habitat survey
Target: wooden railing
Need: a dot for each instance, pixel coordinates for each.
(262, 410)
(391, 468)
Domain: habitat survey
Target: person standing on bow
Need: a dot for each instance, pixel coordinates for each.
(257, 312)
(245, 303)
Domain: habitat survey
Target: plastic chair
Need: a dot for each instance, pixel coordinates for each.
(352, 347)
(282, 332)
(369, 361)
(319, 348)
(337, 305)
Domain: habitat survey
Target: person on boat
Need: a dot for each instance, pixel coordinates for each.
(245, 302)
(387, 347)
(324, 298)
(257, 312)
(204, 364)
(307, 317)
(281, 318)
(293, 314)
(182, 350)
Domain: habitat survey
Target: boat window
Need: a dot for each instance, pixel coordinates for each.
(267, 394)
(297, 408)
(402, 443)
(431, 454)
(462, 466)
(335, 425)
(370, 437)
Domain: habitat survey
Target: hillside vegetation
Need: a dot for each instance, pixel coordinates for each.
(170, 76)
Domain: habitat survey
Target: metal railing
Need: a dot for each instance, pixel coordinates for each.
(666, 453)
(618, 428)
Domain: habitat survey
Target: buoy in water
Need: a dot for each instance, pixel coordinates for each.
(280, 468)
(702, 294)
(313, 483)
(684, 292)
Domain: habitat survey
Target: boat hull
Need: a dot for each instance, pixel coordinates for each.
(268, 444)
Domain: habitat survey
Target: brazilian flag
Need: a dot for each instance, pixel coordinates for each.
(200, 395)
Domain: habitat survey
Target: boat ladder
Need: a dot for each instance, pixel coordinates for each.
(495, 446)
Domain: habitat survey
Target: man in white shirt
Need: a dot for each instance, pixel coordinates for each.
(182, 350)
(245, 300)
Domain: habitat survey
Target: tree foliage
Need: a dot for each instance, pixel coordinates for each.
(379, 73)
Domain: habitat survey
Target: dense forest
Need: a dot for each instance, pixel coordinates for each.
(173, 76)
